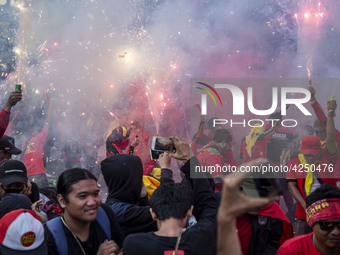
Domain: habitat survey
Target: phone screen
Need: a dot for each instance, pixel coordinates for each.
(162, 144)
(261, 187)
(154, 154)
(268, 187)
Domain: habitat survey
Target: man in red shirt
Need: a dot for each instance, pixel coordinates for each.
(313, 167)
(323, 119)
(205, 134)
(14, 98)
(212, 155)
(33, 152)
(323, 215)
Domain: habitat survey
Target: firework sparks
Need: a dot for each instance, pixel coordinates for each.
(124, 55)
(309, 65)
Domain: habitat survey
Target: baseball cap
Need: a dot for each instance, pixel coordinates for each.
(21, 232)
(12, 171)
(318, 126)
(310, 145)
(7, 144)
(14, 201)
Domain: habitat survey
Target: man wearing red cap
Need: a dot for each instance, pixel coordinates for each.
(313, 167)
(323, 121)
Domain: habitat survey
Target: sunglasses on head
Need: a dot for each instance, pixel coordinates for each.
(328, 225)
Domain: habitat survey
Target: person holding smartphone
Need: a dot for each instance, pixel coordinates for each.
(172, 204)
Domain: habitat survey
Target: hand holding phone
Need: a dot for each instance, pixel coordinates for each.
(164, 160)
(183, 151)
(154, 155)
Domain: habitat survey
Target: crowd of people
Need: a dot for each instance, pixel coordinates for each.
(147, 211)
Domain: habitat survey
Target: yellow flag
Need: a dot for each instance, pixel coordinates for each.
(310, 176)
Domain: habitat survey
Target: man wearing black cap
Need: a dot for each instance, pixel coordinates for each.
(7, 148)
(13, 177)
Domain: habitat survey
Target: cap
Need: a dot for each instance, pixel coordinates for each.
(12, 171)
(318, 127)
(21, 232)
(7, 144)
(14, 201)
(310, 145)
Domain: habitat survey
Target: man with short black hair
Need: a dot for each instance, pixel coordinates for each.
(323, 215)
(172, 206)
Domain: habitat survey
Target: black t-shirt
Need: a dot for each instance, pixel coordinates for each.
(276, 144)
(97, 236)
(196, 240)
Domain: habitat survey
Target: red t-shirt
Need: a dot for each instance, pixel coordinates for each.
(299, 245)
(323, 118)
(299, 175)
(244, 231)
(229, 158)
(33, 154)
(209, 156)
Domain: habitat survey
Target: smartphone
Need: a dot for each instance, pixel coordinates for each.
(155, 154)
(262, 187)
(268, 187)
(162, 144)
(17, 86)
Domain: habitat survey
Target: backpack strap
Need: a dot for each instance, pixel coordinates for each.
(56, 228)
(119, 209)
(104, 221)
